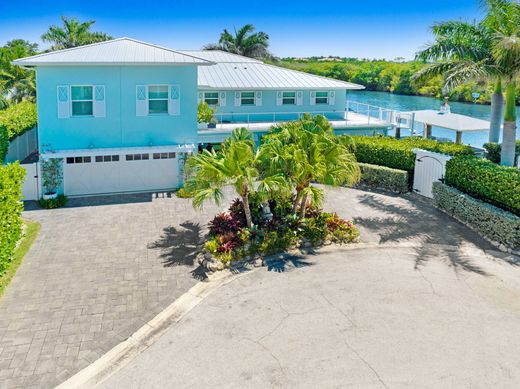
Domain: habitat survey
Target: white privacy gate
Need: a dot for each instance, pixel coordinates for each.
(430, 167)
(30, 189)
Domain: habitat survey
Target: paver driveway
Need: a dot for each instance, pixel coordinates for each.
(99, 269)
(104, 266)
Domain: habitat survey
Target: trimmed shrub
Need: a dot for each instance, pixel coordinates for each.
(11, 207)
(397, 153)
(494, 150)
(58, 202)
(4, 144)
(18, 118)
(495, 224)
(485, 180)
(385, 178)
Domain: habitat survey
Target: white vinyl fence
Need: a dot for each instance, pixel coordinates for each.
(23, 146)
(429, 168)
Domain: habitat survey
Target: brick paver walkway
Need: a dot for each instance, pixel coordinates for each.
(98, 271)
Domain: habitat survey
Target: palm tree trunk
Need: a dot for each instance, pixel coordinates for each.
(303, 206)
(507, 157)
(296, 200)
(497, 107)
(247, 210)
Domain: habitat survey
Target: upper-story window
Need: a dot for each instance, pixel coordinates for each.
(211, 98)
(82, 100)
(289, 98)
(247, 98)
(322, 97)
(158, 99)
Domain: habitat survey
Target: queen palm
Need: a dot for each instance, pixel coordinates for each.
(485, 50)
(73, 33)
(234, 165)
(243, 41)
(305, 152)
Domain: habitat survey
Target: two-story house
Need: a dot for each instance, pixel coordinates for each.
(121, 114)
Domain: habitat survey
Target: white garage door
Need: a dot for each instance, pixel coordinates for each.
(85, 175)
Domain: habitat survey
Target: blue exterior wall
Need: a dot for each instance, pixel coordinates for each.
(121, 127)
(263, 113)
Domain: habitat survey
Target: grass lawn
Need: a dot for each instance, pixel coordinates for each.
(31, 231)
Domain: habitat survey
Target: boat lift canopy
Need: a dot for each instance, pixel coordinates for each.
(450, 121)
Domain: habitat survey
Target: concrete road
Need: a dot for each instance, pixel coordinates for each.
(385, 317)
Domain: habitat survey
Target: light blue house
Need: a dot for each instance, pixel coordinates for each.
(122, 114)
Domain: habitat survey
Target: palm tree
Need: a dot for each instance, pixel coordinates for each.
(503, 18)
(244, 42)
(73, 33)
(235, 164)
(486, 50)
(16, 83)
(304, 152)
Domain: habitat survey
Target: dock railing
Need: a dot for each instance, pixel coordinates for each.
(374, 113)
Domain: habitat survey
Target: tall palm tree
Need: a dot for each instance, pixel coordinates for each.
(234, 165)
(503, 17)
(244, 42)
(16, 83)
(305, 152)
(486, 50)
(73, 33)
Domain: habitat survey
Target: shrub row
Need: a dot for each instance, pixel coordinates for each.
(497, 225)
(11, 181)
(485, 180)
(397, 153)
(4, 144)
(494, 150)
(382, 177)
(18, 118)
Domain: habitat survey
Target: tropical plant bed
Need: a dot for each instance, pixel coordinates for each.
(276, 229)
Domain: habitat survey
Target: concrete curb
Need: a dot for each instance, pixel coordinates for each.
(144, 337)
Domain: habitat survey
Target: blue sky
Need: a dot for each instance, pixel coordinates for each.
(368, 29)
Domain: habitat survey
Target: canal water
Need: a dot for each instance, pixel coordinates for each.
(414, 103)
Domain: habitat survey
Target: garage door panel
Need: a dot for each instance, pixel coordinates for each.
(120, 176)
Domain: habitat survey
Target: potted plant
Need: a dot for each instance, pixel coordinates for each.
(205, 116)
(52, 177)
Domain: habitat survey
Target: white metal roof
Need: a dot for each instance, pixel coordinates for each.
(219, 56)
(121, 51)
(258, 75)
(451, 121)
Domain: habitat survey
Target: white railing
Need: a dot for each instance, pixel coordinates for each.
(272, 117)
(391, 117)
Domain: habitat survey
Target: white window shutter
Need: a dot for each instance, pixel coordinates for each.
(141, 100)
(313, 98)
(332, 97)
(279, 98)
(200, 97)
(222, 99)
(174, 100)
(99, 108)
(237, 99)
(63, 100)
(258, 99)
(299, 98)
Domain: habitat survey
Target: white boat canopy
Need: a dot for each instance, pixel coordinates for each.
(450, 121)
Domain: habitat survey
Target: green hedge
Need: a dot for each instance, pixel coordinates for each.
(18, 118)
(382, 177)
(485, 180)
(494, 150)
(11, 207)
(397, 153)
(4, 144)
(492, 222)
